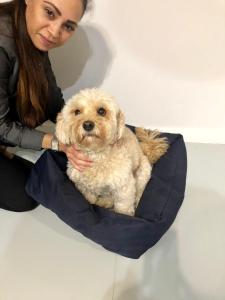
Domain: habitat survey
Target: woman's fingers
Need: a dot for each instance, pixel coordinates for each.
(78, 159)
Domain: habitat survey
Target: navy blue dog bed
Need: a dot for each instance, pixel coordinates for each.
(129, 236)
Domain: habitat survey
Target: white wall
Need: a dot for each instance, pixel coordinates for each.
(164, 61)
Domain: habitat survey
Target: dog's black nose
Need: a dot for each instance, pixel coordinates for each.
(88, 125)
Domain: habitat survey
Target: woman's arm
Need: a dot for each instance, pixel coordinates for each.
(11, 132)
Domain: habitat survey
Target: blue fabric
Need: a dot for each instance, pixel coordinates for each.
(128, 236)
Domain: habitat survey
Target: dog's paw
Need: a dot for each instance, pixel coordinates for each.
(125, 211)
(103, 202)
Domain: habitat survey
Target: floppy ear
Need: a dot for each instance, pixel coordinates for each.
(62, 130)
(120, 124)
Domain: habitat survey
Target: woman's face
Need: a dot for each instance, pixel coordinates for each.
(51, 23)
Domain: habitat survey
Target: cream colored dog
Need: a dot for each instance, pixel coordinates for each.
(93, 121)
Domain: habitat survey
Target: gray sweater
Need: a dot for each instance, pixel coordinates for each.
(12, 131)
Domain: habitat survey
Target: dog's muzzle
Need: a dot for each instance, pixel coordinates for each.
(88, 125)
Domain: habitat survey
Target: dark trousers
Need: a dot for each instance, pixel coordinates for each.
(13, 176)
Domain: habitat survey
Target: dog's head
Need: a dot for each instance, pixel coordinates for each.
(91, 119)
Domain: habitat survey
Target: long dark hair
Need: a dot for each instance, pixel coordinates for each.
(32, 88)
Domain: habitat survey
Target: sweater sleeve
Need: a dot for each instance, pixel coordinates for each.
(13, 132)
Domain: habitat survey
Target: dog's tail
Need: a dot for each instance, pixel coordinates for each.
(151, 144)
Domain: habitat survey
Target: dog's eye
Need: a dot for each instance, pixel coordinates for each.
(101, 111)
(77, 112)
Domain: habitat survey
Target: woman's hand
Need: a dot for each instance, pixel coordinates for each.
(76, 157)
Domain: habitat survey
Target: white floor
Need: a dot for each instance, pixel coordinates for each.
(42, 258)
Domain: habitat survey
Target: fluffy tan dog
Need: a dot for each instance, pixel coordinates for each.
(93, 121)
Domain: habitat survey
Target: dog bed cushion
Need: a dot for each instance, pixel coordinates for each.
(129, 236)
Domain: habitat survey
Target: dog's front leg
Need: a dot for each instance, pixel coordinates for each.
(90, 197)
(125, 198)
(142, 177)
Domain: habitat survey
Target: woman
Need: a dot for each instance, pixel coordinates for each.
(28, 91)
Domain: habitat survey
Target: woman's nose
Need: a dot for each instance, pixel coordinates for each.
(55, 30)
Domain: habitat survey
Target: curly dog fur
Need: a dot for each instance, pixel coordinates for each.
(94, 122)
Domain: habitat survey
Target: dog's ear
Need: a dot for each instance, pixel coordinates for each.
(120, 124)
(62, 130)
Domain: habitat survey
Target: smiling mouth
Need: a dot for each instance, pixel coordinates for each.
(46, 41)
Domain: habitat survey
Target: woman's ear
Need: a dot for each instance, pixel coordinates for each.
(120, 124)
(62, 130)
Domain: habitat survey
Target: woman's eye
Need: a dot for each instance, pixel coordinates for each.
(101, 111)
(77, 112)
(69, 28)
(49, 13)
